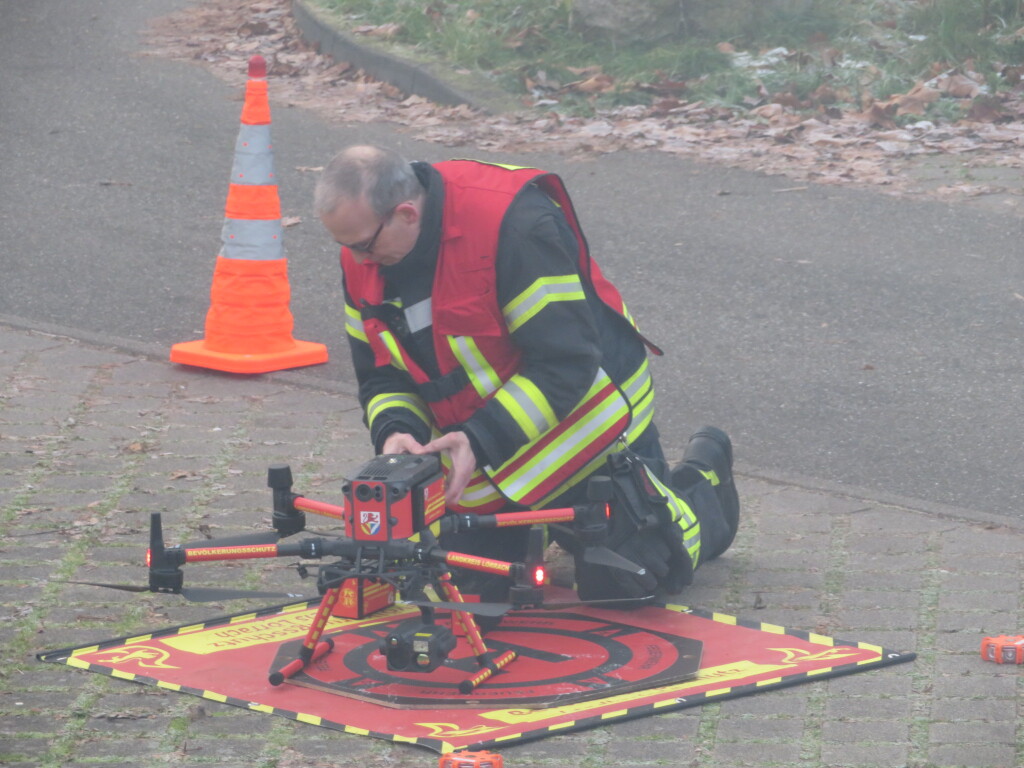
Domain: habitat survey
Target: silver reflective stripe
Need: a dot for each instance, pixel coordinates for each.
(637, 385)
(640, 392)
(483, 377)
(418, 316)
(643, 413)
(254, 158)
(534, 416)
(479, 492)
(254, 239)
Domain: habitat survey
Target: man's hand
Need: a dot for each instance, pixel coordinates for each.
(400, 442)
(456, 445)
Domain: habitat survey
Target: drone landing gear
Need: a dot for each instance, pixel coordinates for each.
(312, 647)
(422, 647)
(489, 664)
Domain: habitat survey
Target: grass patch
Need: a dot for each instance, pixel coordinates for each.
(736, 55)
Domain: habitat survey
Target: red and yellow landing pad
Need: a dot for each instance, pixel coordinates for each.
(561, 659)
(577, 668)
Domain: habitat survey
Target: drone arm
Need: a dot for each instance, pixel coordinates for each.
(319, 507)
(310, 549)
(535, 517)
(474, 562)
(583, 515)
(214, 554)
(510, 519)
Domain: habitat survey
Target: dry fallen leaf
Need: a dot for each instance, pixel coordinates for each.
(600, 83)
(382, 31)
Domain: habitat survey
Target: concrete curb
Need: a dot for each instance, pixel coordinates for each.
(409, 77)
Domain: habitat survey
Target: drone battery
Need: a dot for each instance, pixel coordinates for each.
(363, 597)
(393, 496)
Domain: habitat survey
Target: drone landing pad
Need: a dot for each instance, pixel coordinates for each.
(562, 658)
(227, 660)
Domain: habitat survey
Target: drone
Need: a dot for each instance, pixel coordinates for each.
(394, 514)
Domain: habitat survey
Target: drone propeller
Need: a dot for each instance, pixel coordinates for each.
(604, 556)
(198, 594)
(631, 601)
(477, 609)
(500, 609)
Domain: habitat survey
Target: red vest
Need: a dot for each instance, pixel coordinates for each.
(464, 304)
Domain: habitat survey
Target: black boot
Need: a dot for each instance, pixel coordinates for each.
(710, 449)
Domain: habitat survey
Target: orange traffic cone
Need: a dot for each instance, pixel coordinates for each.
(249, 324)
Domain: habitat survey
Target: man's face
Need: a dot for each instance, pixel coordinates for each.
(383, 241)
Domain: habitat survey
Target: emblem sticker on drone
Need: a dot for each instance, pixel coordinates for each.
(369, 521)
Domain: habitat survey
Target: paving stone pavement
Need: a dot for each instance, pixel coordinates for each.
(93, 439)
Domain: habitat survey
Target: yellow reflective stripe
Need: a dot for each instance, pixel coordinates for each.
(598, 420)
(710, 475)
(354, 323)
(628, 316)
(639, 389)
(643, 414)
(538, 295)
(683, 516)
(499, 165)
(383, 402)
(557, 452)
(525, 403)
(640, 384)
(585, 471)
(483, 377)
(397, 359)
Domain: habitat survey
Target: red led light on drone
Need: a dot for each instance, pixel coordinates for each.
(149, 558)
(539, 575)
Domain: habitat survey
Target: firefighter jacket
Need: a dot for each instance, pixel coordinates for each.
(476, 360)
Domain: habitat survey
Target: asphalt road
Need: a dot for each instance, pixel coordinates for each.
(840, 335)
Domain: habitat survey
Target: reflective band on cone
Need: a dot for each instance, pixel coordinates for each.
(249, 323)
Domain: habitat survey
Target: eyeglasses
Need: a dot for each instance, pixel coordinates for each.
(367, 246)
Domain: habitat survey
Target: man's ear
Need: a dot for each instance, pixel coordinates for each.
(408, 212)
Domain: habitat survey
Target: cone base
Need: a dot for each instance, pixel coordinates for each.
(197, 353)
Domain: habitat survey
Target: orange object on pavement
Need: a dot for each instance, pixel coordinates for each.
(1003, 649)
(249, 323)
(471, 760)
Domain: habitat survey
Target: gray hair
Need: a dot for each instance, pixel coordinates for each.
(381, 175)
